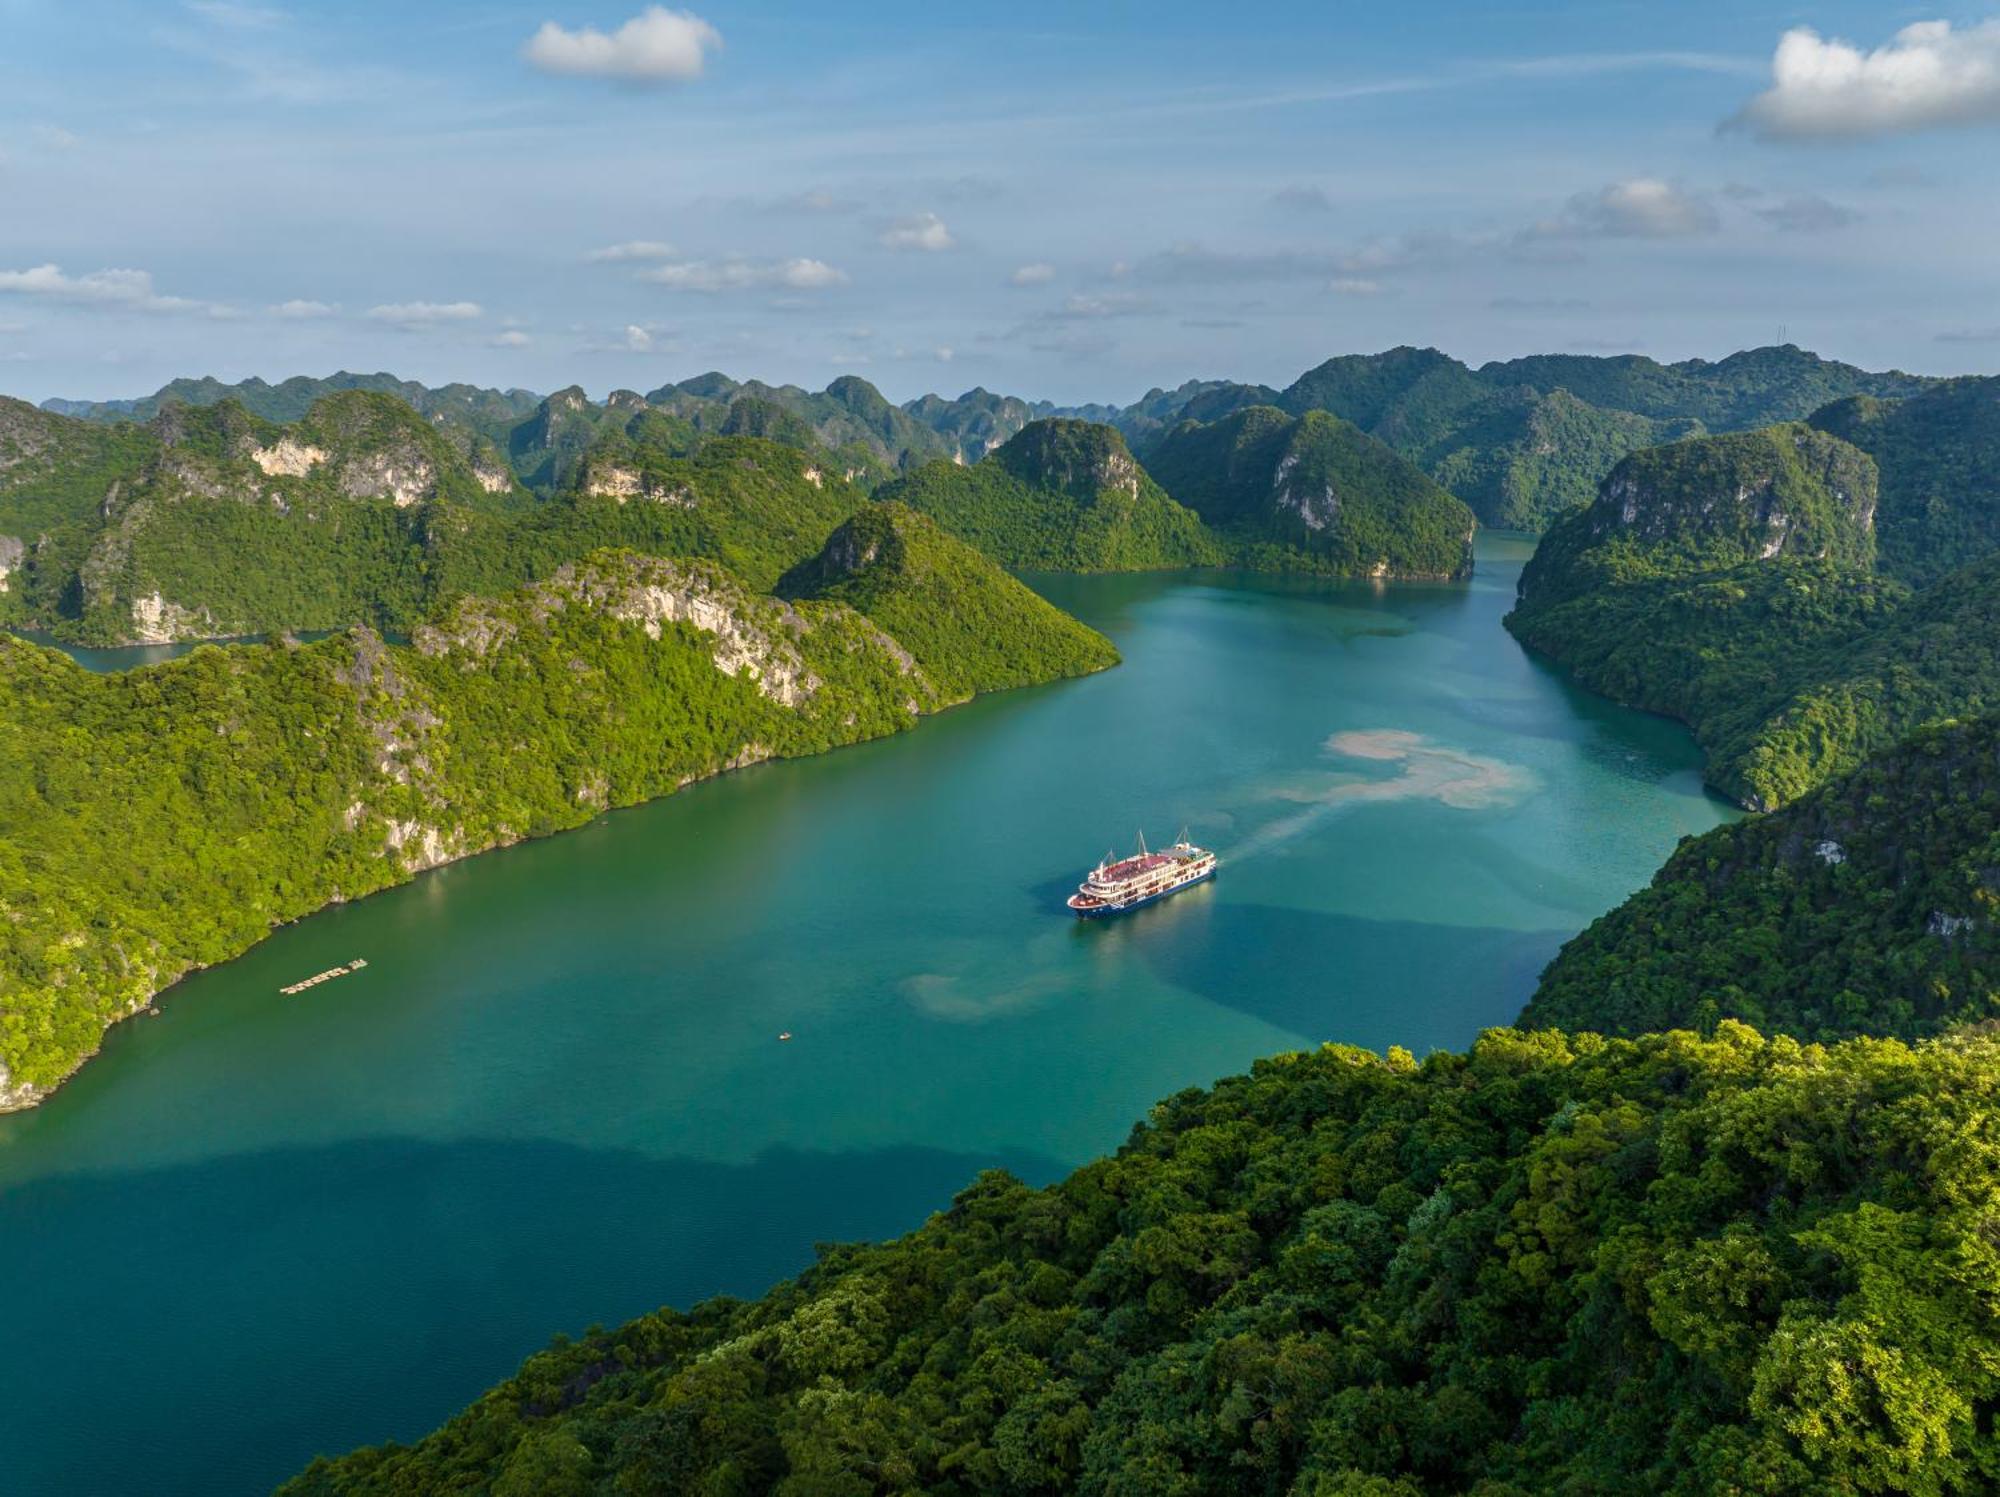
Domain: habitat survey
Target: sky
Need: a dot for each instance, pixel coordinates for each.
(1066, 201)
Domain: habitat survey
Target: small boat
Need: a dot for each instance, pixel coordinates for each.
(784, 1034)
(1117, 885)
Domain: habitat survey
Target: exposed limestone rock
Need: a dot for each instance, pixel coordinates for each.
(288, 458)
(156, 621)
(606, 481)
(1316, 506)
(404, 478)
(418, 846)
(742, 648)
(16, 1095)
(12, 550)
(493, 480)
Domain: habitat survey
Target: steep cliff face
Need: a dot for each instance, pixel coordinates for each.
(1063, 495)
(976, 422)
(1729, 582)
(1313, 492)
(1078, 458)
(1712, 503)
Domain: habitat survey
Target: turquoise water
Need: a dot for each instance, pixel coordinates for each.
(260, 1227)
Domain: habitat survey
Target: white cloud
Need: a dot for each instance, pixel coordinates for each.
(1354, 286)
(300, 310)
(54, 137)
(1637, 208)
(920, 231)
(745, 275)
(1927, 75)
(656, 46)
(512, 338)
(1038, 274)
(414, 316)
(634, 338)
(943, 353)
(631, 249)
(107, 288)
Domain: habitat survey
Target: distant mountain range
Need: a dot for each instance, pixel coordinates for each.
(1520, 441)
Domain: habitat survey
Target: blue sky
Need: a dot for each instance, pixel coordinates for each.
(1070, 201)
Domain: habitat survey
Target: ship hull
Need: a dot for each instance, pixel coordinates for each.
(1104, 911)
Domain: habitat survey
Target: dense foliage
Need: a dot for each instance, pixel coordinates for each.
(1525, 441)
(974, 627)
(1529, 439)
(1865, 908)
(1728, 582)
(53, 468)
(1061, 496)
(1313, 493)
(1939, 453)
(1709, 504)
(168, 817)
(1732, 1265)
(218, 523)
(1757, 387)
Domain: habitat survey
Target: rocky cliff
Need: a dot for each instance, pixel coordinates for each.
(1314, 492)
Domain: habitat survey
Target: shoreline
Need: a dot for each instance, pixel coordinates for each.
(26, 1096)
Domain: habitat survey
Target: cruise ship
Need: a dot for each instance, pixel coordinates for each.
(1115, 887)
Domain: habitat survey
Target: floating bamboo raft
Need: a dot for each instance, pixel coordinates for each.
(327, 976)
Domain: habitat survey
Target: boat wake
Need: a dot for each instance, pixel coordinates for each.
(1428, 771)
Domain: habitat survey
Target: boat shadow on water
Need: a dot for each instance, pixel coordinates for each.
(1325, 976)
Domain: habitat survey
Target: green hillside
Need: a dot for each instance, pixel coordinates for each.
(168, 817)
(970, 625)
(1939, 452)
(1313, 493)
(210, 521)
(1526, 440)
(1548, 1265)
(1865, 908)
(1730, 582)
(1062, 496)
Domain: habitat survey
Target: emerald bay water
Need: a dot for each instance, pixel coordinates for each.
(260, 1227)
